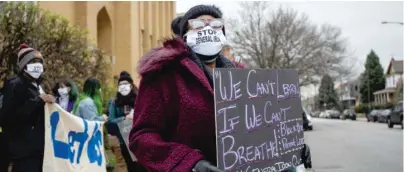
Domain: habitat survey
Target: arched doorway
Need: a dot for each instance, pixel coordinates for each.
(104, 31)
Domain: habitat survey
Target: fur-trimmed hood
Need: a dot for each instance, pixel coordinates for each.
(157, 58)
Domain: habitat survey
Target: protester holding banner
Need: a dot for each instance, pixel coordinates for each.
(121, 108)
(67, 93)
(89, 104)
(22, 114)
(174, 126)
(4, 158)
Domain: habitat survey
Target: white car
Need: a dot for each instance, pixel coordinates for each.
(325, 114)
(329, 114)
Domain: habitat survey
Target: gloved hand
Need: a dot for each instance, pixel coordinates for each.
(205, 166)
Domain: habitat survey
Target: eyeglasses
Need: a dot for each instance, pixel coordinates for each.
(124, 83)
(197, 24)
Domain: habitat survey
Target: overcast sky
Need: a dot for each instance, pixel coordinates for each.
(360, 23)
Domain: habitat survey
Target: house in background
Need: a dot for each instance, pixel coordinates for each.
(348, 93)
(309, 102)
(393, 76)
(399, 90)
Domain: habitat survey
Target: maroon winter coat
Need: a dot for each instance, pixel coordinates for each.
(174, 124)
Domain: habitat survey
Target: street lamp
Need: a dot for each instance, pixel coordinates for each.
(387, 22)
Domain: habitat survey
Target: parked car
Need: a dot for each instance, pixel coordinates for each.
(383, 115)
(396, 117)
(334, 114)
(316, 114)
(348, 114)
(372, 116)
(329, 114)
(325, 114)
(307, 124)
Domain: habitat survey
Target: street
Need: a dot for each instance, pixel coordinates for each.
(355, 146)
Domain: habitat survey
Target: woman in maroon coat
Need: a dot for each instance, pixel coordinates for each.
(174, 123)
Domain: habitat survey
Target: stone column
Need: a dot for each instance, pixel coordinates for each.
(123, 37)
(388, 97)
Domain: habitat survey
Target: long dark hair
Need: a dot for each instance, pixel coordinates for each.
(121, 100)
(91, 89)
(73, 93)
(91, 86)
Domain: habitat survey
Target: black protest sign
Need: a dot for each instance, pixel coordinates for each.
(124, 127)
(259, 123)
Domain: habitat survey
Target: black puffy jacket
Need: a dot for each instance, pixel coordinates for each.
(22, 118)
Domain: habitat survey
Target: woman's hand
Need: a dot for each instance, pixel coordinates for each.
(129, 117)
(47, 98)
(105, 117)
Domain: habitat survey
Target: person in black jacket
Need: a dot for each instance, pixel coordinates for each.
(121, 108)
(22, 114)
(4, 158)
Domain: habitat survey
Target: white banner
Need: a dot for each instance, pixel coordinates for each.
(72, 144)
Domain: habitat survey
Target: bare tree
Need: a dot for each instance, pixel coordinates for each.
(286, 39)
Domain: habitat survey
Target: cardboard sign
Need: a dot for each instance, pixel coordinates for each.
(124, 127)
(259, 123)
(72, 144)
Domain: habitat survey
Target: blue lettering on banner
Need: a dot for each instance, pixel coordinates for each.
(79, 137)
(66, 151)
(61, 149)
(95, 147)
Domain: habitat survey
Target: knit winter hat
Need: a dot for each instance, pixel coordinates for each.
(125, 76)
(27, 54)
(175, 25)
(197, 11)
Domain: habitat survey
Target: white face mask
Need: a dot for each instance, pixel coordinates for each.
(207, 41)
(124, 89)
(63, 92)
(35, 70)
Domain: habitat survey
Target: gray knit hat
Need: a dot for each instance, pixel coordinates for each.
(27, 54)
(197, 11)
